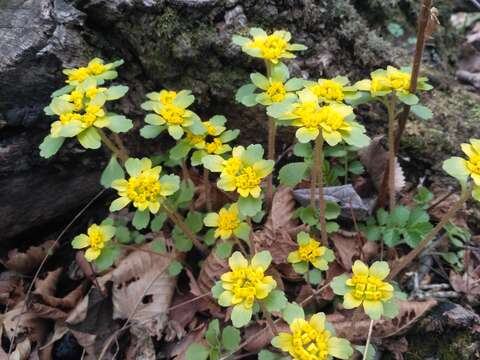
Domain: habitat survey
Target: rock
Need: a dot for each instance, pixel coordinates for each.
(173, 44)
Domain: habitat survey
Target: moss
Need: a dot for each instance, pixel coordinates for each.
(456, 345)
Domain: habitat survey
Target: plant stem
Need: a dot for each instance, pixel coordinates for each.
(120, 144)
(112, 147)
(391, 152)
(177, 219)
(417, 61)
(269, 319)
(367, 344)
(206, 184)
(318, 168)
(272, 132)
(466, 193)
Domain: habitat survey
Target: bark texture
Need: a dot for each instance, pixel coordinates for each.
(184, 44)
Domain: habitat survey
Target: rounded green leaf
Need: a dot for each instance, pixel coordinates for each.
(112, 171)
(275, 301)
(338, 284)
(292, 311)
(292, 174)
(241, 316)
(90, 138)
(50, 146)
(422, 112)
(141, 219)
(456, 167)
(249, 206)
(230, 338)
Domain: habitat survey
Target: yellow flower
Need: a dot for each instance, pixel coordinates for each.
(172, 114)
(271, 47)
(216, 147)
(197, 141)
(333, 90)
(246, 282)
(243, 171)
(144, 188)
(228, 222)
(472, 150)
(311, 340)
(95, 239)
(310, 251)
(383, 82)
(96, 68)
(366, 287)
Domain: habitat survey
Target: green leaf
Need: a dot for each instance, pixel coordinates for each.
(338, 284)
(107, 257)
(180, 150)
(275, 301)
(217, 289)
(315, 276)
(292, 311)
(243, 232)
(249, 206)
(116, 92)
(175, 268)
(303, 150)
(308, 215)
(224, 250)
(408, 99)
(213, 332)
(399, 216)
(391, 237)
(112, 171)
(268, 355)
(422, 112)
(194, 221)
(185, 194)
(332, 210)
(196, 352)
(423, 196)
(245, 95)
(182, 243)
(123, 234)
(89, 138)
(209, 237)
(476, 192)
(240, 316)
(50, 146)
(370, 352)
(456, 167)
(158, 221)
(356, 168)
(300, 267)
(391, 308)
(373, 232)
(119, 123)
(151, 131)
(141, 219)
(395, 29)
(292, 173)
(382, 217)
(230, 338)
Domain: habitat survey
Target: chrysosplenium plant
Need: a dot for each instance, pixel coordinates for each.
(157, 193)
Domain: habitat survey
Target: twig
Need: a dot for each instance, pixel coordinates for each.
(319, 155)
(417, 60)
(206, 187)
(466, 193)
(44, 260)
(367, 344)
(120, 144)
(188, 301)
(439, 201)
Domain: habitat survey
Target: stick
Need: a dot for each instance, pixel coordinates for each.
(367, 344)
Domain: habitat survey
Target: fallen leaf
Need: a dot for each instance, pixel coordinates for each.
(142, 290)
(212, 268)
(277, 231)
(11, 289)
(443, 200)
(346, 248)
(141, 345)
(467, 285)
(259, 335)
(410, 313)
(27, 262)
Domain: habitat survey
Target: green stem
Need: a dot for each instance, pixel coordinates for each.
(272, 132)
(177, 219)
(466, 193)
(269, 319)
(112, 147)
(319, 156)
(206, 185)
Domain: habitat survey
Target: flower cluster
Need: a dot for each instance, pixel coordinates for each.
(332, 120)
(228, 222)
(94, 240)
(313, 339)
(271, 47)
(170, 111)
(309, 252)
(384, 82)
(242, 172)
(367, 287)
(245, 283)
(333, 90)
(144, 188)
(80, 107)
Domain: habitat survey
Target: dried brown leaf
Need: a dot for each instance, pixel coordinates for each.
(141, 345)
(29, 324)
(467, 285)
(375, 158)
(11, 288)
(178, 349)
(142, 290)
(22, 351)
(279, 227)
(347, 249)
(443, 200)
(259, 336)
(410, 313)
(212, 268)
(27, 262)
